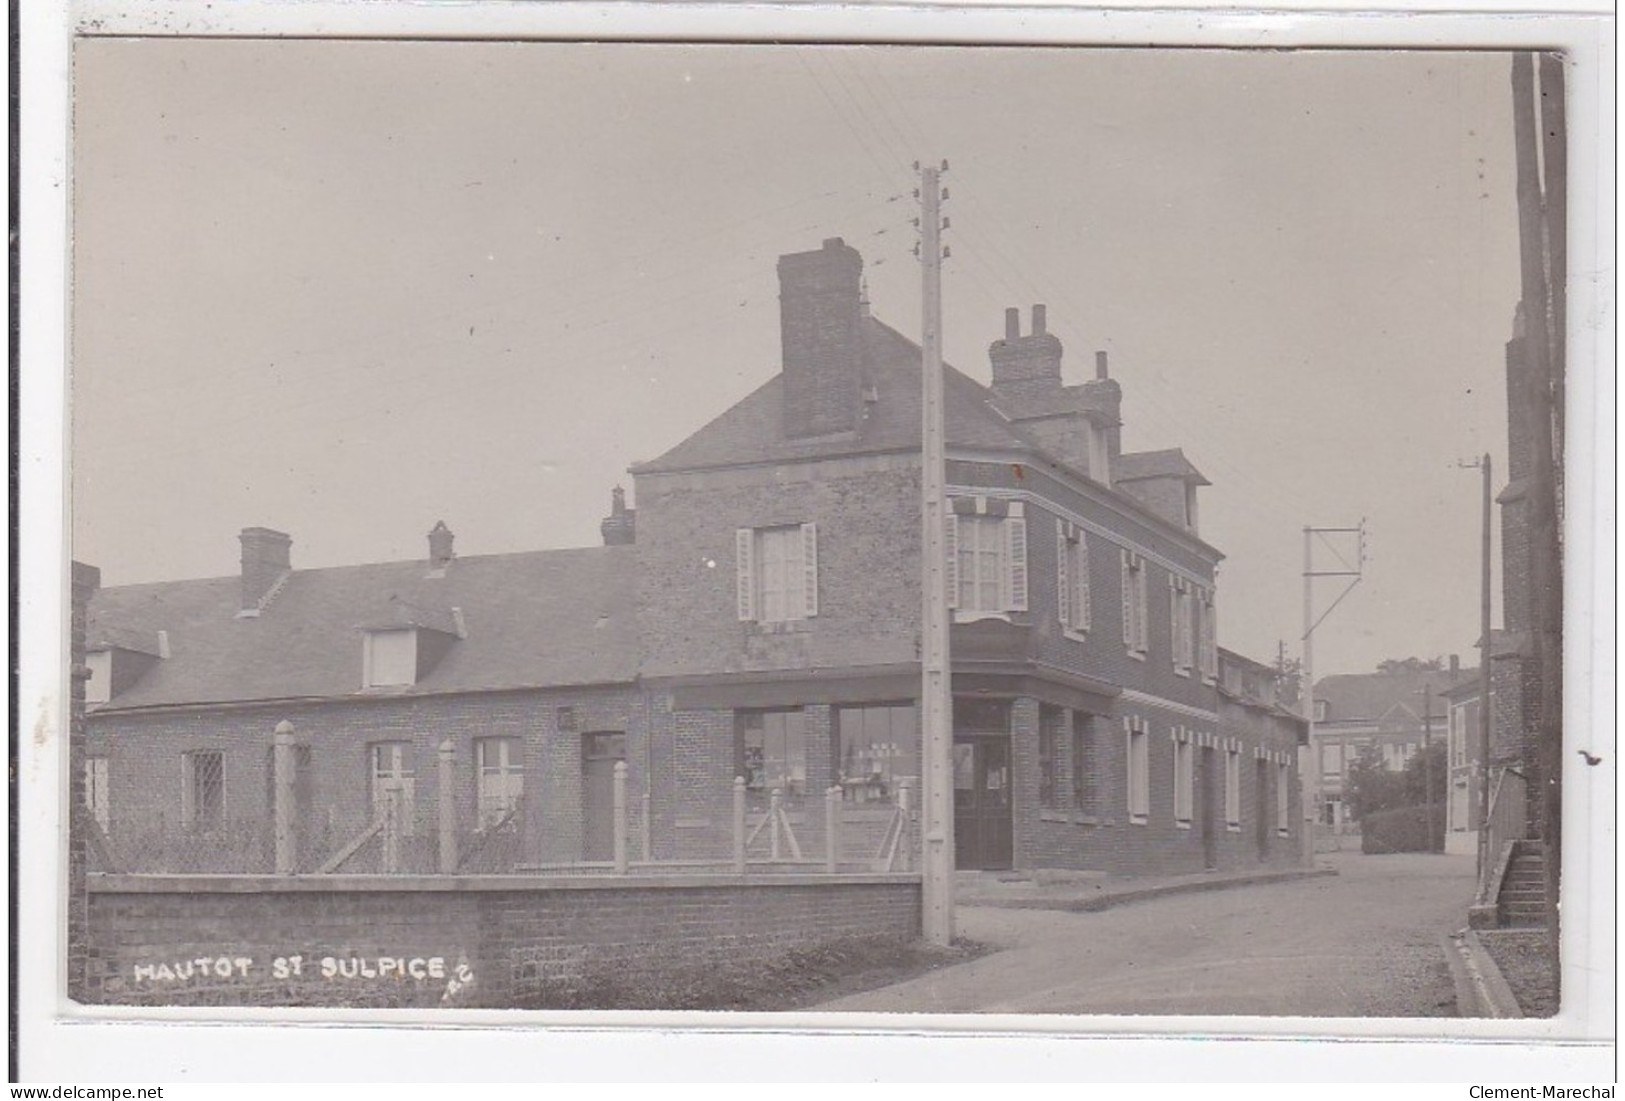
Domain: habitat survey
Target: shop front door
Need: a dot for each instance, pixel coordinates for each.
(982, 830)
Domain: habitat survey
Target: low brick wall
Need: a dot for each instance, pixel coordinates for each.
(420, 941)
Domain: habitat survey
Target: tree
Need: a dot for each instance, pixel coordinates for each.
(1373, 787)
(1410, 665)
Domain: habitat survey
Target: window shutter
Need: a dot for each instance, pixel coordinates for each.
(745, 563)
(950, 531)
(1063, 587)
(1173, 621)
(1015, 545)
(1085, 612)
(1128, 604)
(809, 562)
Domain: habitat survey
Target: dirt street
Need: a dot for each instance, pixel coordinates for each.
(1363, 943)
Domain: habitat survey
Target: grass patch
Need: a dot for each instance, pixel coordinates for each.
(799, 978)
(1521, 955)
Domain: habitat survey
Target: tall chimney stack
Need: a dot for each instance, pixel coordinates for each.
(266, 560)
(1026, 366)
(440, 552)
(820, 324)
(619, 528)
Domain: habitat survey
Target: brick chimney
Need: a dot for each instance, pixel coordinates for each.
(619, 528)
(1104, 399)
(820, 324)
(266, 561)
(440, 540)
(1026, 367)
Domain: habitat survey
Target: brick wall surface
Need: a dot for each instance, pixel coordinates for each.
(84, 581)
(868, 567)
(532, 945)
(146, 774)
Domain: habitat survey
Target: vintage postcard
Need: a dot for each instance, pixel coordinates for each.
(1057, 537)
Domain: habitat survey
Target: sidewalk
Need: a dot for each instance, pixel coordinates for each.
(1091, 891)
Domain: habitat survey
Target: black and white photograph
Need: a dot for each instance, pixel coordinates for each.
(1045, 532)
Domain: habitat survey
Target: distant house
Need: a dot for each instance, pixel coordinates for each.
(757, 619)
(1385, 716)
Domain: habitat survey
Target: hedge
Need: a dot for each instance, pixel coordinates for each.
(1403, 830)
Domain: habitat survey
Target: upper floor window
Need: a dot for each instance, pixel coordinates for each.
(1182, 623)
(1135, 628)
(987, 560)
(1072, 578)
(773, 752)
(777, 573)
(1207, 657)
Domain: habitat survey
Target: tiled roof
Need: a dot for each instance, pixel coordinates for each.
(1390, 700)
(534, 619)
(1169, 463)
(753, 430)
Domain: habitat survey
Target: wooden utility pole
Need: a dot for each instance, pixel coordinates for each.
(1484, 855)
(1427, 757)
(936, 704)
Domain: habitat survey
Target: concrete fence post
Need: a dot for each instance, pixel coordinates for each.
(447, 792)
(905, 829)
(647, 827)
(739, 825)
(832, 829)
(392, 831)
(620, 818)
(774, 811)
(283, 811)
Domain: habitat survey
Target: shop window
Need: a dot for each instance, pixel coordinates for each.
(772, 748)
(877, 747)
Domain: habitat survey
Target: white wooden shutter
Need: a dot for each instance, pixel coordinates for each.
(1063, 587)
(1085, 611)
(809, 564)
(1015, 547)
(745, 571)
(1128, 604)
(950, 531)
(1173, 621)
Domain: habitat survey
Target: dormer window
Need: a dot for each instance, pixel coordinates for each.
(402, 647)
(390, 658)
(117, 659)
(99, 688)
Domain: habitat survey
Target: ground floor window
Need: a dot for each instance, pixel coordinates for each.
(772, 749)
(1232, 788)
(1282, 794)
(96, 791)
(1083, 762)
(877, 747)
(392, 778)
(1139, 769)
(499, 779)
(203, 797)
(1050, 743)
(1184, 777)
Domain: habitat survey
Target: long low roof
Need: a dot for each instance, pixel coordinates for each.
(527, 620)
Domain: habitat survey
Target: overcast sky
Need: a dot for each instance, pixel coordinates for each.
(348, 289)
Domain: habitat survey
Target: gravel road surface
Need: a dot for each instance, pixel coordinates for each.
(1362, 943)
